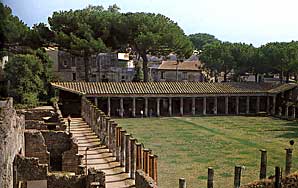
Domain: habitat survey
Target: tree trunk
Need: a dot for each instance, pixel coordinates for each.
(225, 77)
(145, 66)
(281, 77)
(87, 67)
(287, 77)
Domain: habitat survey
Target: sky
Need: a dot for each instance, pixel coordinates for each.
(254, 22)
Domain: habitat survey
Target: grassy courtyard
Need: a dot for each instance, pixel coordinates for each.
(187, 146)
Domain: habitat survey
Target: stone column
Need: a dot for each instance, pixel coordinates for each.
(273, 105)
(294, 112)
(133, 107)
(146, 107)
(118, 143)
(139, 156)
(204, 105)
(193, 106)
(122, 150)
(109, 106)
(258, 104)
(268, 105)
(146, 153)
(121, 107)
(237, 105)
(96, 101)
(215, 106)
(226, 105)
(287, 111)
(158, 107)
(127, 152)
(247, 105)
(170, 106)
(181, 106)
(133, 158)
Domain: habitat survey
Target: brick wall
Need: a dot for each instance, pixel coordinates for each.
(144, 181)
(36, 147)
(12, 128)
(71, 160)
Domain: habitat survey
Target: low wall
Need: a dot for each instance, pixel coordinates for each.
(128, 152)
(289, 181)
(58, 180)
(12, 128)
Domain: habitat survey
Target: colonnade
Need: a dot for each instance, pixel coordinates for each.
(191, 103)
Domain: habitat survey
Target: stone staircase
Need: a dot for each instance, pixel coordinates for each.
(98, 156)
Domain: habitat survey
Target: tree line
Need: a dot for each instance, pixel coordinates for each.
(94, 29)
(274, 58)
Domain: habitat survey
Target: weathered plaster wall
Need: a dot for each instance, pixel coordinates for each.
(12, 128)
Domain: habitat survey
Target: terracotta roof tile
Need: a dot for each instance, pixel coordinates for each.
(164, 88)
(185, 65)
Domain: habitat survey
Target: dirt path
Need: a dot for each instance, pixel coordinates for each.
(98, 156)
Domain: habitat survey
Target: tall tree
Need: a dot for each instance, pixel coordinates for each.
(13, 32)
(199, 40)
(157, 35)
(75, 34)
(33, 74)
(217, 56)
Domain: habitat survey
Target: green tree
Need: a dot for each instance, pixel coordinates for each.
(139, 76)
(155, 34)
(28, 84)
(199, 40)
(74, 33)
(282, 57)
(13, 32)
(217, 57)
(40, 35)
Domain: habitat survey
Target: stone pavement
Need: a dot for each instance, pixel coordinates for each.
(98, 155)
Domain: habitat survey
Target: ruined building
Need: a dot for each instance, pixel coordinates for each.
(38, 152)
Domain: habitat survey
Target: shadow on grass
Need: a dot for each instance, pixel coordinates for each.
(289, 130)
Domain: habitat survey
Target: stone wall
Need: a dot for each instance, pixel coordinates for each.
(36, 147)
(290, 181)
(29, 168)
(143, 180)
(12, 128)
(63, 149)
(95, 179)
(64, 180)
(71, 160)
(45, 118)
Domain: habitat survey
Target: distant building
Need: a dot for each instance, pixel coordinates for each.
(180, 71)
(110, 67)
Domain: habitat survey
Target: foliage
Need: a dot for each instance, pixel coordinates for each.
(139, 76)
(33, 76)
(218, 57)
(12, 30)
(157, 35)
(199, 40)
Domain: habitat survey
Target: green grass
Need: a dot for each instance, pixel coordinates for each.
(187, 146)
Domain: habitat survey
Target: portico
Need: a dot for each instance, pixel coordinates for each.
(182, 98)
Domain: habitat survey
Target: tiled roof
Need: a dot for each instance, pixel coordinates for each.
(183, 66)
(164, 88)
